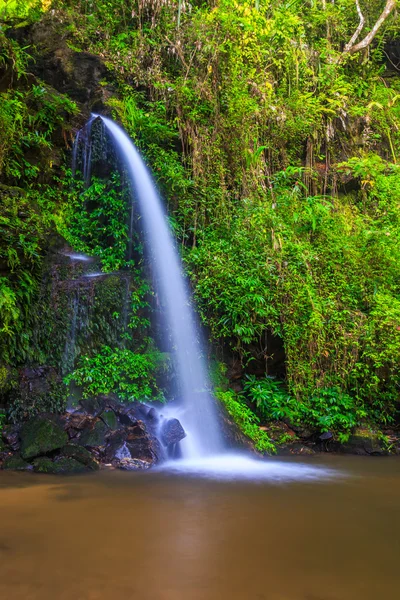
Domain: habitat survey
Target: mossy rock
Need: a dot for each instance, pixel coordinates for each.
(16, 463)
(94, 437)
(110, 419)
(61, 466)
(40, 436)
(80, 454)
(364, 441)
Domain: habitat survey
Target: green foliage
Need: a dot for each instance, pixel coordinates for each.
(128, 374)
(95, 221)
(246, 420)
(328, 409)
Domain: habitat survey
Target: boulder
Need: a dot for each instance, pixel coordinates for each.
(141, 444)
(364, 441)
(110, 419)
(40, 436)
(80, 454)
(10, 435)
(172, 432)
(16, 463)
(61, 465)
(133, 464)
(95, 436)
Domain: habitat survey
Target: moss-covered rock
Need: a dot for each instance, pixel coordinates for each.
(40, 436)
(95, 436)
(364, 441)
(80, 454)
(62, 465)
(110, 419)
(16, 463)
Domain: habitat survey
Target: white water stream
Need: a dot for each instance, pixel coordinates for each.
(198, 415)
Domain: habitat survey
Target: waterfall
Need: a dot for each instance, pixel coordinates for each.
(198, 411)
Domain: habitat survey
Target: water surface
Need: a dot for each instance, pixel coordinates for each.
(177, 536)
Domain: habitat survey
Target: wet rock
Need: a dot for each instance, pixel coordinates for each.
(172, 432)
(115, 443)
(80, 454)
(16, 463)
(132, 413)
(364, 441)
(41, 436)
(133, 464)
(10, 436)
(95, 406)
(110, 419)
(141, 444)
(95, 435)
(62, 465)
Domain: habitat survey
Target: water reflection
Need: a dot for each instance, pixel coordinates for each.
(157, 536)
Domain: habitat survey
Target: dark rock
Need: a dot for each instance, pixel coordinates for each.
(133, 464)
(363, 441)
(95, 406)
(80, 454)
(10, 435)
(172, 432)
(110, 419)
(130, 414)
(40, 436)
(16, 463)
(115, 442)
(37, 390)
(326, 436)
(62, 465)
(141, 444)
(95, 435)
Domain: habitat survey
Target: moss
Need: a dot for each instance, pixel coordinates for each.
(110, 419)
(96, 436)
(62, 465)
(81, 455)
(16, 463)
(40, 436)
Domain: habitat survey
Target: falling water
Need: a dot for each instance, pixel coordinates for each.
(198, 410)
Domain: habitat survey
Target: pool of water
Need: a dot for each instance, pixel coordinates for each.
(317, 530)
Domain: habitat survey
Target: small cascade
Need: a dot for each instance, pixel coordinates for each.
(70, 343)
(82, 151)
(196, 404)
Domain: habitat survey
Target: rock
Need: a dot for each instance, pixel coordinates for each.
(95, 436)
(80, 454)
(172, 432)
(95, 406)
(10, 435)
(141, 444)
(110, 419)
(40, 436)
(133, 464)
(132, 413)
(115, 443)
(16, 463)
(38, 389)
(363, 441)
(326, 436)
(61, 465)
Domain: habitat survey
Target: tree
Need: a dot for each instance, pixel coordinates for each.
(352, 47)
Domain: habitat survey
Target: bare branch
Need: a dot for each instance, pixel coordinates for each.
(352, 49)
(359, 29)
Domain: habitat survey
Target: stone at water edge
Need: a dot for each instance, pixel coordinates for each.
(133, 464)
(61, 465)
(40, 436)
(16, 463)
(172, 432)
(80, 454)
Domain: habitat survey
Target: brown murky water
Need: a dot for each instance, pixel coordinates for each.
(158, 536)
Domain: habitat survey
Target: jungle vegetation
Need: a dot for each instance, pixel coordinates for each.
(273, 130)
